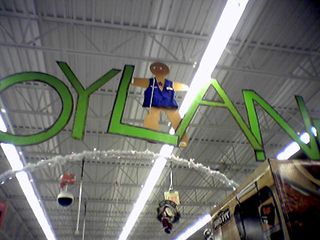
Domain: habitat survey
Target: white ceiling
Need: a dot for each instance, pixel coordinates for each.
(274, 51)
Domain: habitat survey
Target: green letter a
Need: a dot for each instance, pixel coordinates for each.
(226, 103)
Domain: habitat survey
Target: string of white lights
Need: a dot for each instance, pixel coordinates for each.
(120, 156)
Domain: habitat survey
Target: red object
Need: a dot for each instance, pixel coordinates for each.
(167, 225)
(3, 211)
(67, 179)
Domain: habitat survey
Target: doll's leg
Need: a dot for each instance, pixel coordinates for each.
(151, 121)
(175, 119)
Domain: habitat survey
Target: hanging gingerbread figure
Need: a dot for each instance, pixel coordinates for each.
(159, 96)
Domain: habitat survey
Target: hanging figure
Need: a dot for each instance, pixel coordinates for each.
(159, 96)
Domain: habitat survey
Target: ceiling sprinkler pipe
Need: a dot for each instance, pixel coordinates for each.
(80, 197)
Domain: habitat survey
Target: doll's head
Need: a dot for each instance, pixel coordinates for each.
(159, 68)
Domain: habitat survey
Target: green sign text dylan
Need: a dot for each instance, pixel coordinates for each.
(116, 126)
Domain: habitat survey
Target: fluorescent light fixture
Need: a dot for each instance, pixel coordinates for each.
(12, 155)
(152, 179)
(34, 203)
(291, 149)
(228, 21)
(16, 164)
(3, 126)
(294, 147)
(195, 227)
(166, 150)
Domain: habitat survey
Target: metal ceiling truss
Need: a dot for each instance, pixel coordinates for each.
(36, 33)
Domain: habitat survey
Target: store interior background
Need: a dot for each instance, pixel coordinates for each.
(274, 51)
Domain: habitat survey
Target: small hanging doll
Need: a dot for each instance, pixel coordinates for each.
(159, 96)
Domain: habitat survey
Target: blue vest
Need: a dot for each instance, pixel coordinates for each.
(163, 99)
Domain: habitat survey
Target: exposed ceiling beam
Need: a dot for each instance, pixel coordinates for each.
(276, 48)
(58, 213)
(267, 74)
(199, 204)
(228, 142)
(103, 133)
(28, 233)
(153, 59)
(112, 236)
(100, 24)
(94, 53)
(138, 186)
(203, 37)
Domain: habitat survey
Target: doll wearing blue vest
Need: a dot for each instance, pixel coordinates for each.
(159, 96)
(155, 97)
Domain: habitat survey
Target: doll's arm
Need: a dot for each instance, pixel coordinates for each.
(140, 82)
(180, 86)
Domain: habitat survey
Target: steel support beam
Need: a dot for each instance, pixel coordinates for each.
(17, 218)
(281, 49)
(152, 59)
(60, 214)
(100, 24)
(93, 53)
(202, 37)
(199, 204)
(266, 74)
(138, 186)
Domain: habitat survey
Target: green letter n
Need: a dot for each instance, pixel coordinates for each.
(250, 97)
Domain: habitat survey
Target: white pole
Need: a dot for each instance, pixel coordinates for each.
(80, 197)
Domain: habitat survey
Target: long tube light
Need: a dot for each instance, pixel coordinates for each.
(194, 227)
(226, 25)
(15, 162)
(152, 179)
(294, 147)
(228, 21)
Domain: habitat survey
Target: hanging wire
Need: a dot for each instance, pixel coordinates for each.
(171, 178)
(151, 100)
(80, 197)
